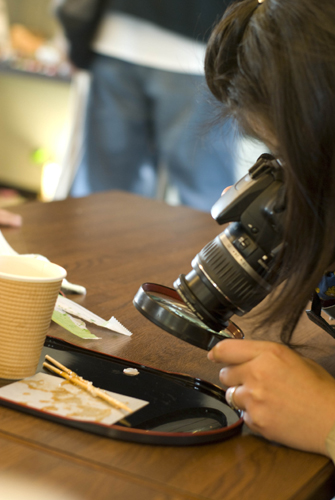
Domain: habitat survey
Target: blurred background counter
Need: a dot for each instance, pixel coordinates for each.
(41, 104)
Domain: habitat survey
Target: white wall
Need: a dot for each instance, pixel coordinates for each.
(34, 113)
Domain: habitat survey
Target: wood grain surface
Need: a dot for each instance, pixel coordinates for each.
(111, 243)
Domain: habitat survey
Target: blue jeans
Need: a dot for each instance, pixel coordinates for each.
(139, 118)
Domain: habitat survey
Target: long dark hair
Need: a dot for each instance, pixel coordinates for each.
(274, 63)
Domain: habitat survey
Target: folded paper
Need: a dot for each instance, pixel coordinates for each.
(71, 324)
(68, 306)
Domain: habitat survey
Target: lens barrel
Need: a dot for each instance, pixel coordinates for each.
(230, 276)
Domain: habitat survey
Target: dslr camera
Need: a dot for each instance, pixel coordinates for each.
(234, 272)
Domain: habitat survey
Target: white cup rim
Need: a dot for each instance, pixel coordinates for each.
(30, 270)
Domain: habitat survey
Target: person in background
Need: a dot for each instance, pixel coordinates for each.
(148, 105)
(272, 65)
(10, 219)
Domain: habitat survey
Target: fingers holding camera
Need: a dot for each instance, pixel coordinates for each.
(237, 351)
(284, 397)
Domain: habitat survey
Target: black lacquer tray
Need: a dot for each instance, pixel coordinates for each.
(182, 410)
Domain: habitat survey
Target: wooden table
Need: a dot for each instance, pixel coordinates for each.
(111, 243)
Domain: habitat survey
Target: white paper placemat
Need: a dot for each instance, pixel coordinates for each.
(59, 397)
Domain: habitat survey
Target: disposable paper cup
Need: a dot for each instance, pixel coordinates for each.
(28, 293)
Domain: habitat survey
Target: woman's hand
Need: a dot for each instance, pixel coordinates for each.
(285, 397)
(10, 219)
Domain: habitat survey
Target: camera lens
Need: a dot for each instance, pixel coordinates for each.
(230, 276)
(234, 272)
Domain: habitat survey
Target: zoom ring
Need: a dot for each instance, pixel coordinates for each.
(233, 281)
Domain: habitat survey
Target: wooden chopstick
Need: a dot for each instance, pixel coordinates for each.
(84, 384)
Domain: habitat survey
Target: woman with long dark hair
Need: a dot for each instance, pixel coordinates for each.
(272, 64)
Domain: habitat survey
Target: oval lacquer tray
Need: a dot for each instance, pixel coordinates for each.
(182, 410)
